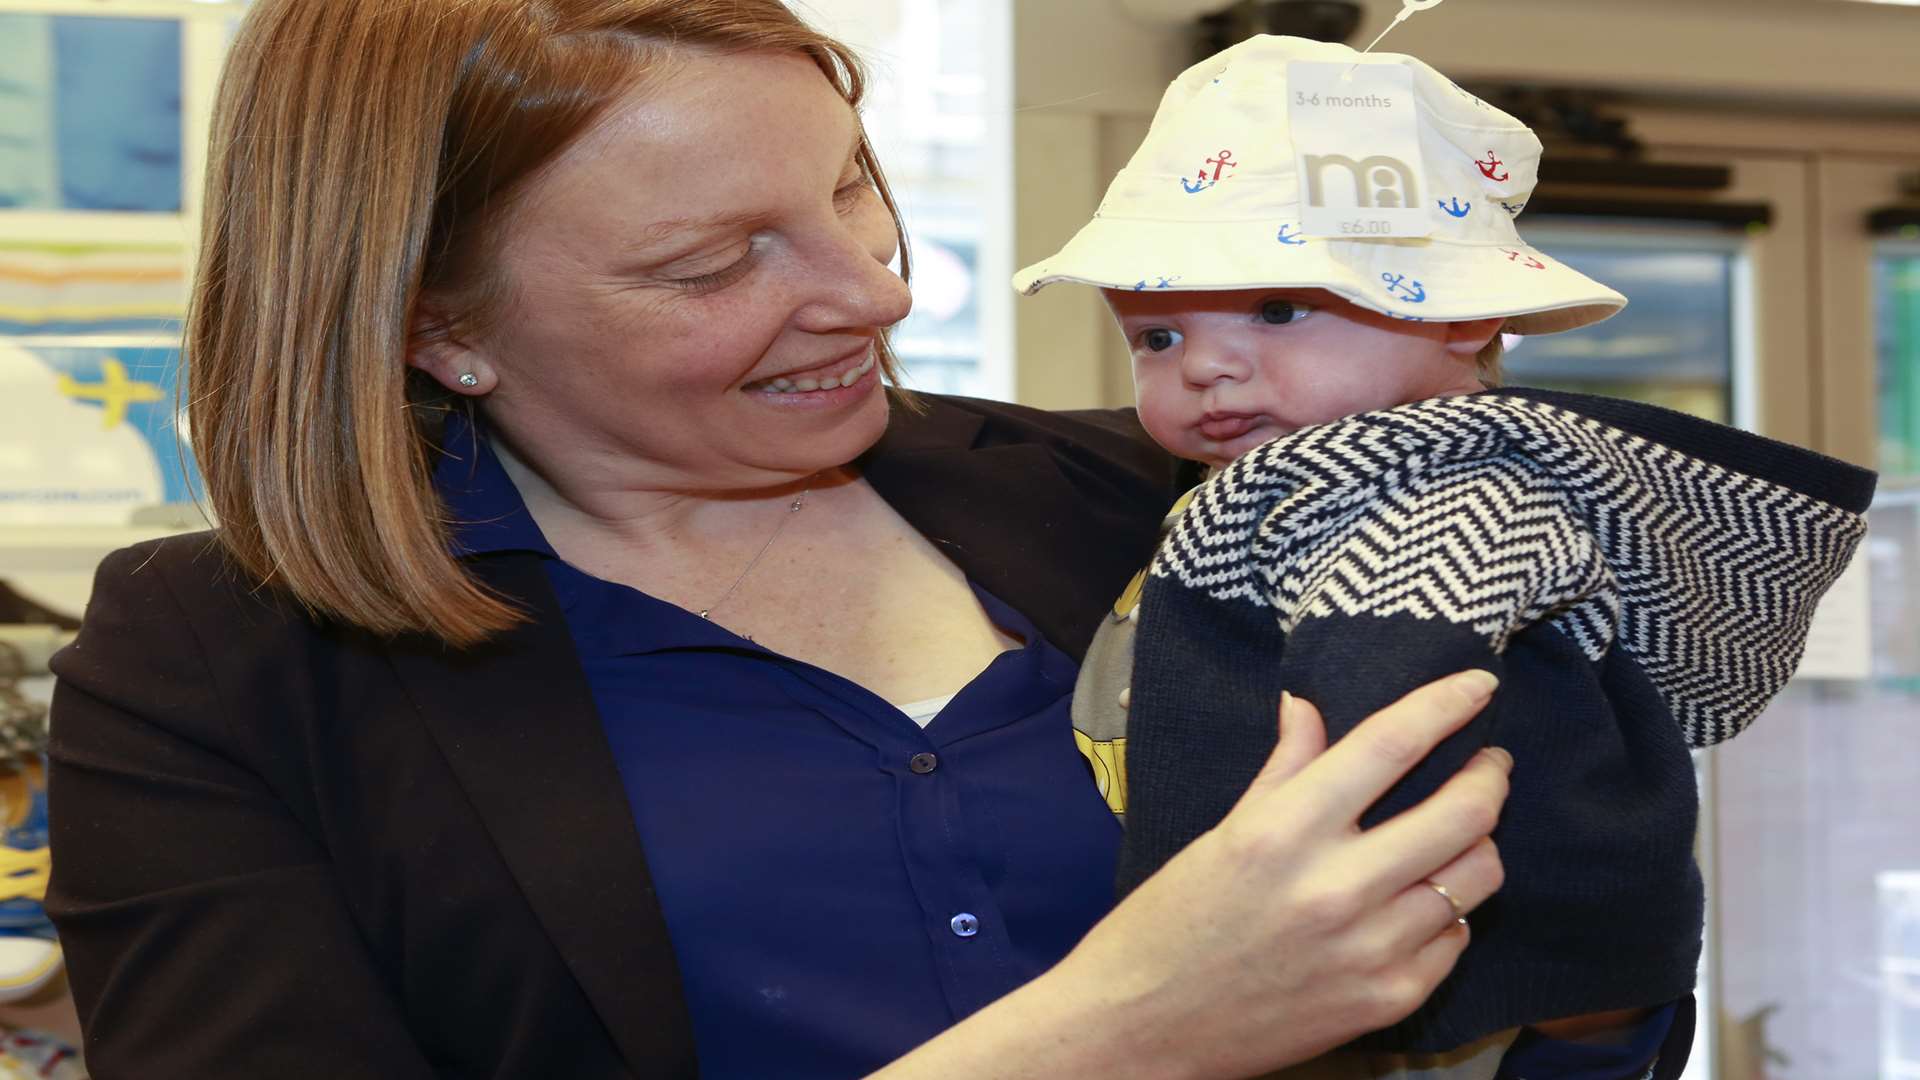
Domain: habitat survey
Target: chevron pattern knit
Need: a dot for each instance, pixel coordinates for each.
(1496, 512)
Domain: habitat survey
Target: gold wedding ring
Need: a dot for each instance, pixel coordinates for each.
(1459, 917)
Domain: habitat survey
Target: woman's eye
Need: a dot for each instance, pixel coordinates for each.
(849, 194)
(1282, 312)
(721, 278)
(1159, 339)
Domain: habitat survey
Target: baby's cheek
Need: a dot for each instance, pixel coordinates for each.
(1160, 417)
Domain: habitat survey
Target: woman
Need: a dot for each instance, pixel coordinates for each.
(530, 714)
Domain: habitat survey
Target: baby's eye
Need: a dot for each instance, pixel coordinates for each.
(1282, 312)
(1159, 339)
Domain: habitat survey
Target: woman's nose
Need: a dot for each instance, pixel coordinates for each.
(856, 287)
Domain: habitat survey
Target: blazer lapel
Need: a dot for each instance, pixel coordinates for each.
(517, 722)
(1008, 516)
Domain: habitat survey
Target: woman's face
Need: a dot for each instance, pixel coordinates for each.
(696, 288)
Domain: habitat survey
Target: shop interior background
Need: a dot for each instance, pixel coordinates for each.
(1747, 171)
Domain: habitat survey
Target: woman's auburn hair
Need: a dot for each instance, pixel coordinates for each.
(363, 152)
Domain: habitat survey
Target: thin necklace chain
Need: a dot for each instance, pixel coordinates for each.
(793, 508)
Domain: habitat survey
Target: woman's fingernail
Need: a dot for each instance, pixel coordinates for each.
(1477, 684)
(1286, 712)
(1499, 757)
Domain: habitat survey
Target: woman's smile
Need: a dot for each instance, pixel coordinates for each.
(842, 373)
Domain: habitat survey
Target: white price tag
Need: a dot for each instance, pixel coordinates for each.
(1357, 136)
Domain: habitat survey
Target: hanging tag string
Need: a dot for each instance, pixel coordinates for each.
(1407, 8)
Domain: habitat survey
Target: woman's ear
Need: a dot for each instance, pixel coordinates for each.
(434, 347)
(1468, 338)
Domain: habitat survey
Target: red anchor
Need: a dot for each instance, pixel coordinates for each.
(1493, 162)
(1531, 263)
(1224, 161)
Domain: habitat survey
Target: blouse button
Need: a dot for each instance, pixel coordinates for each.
(964, 925)
(923, 763)
(1126, 697)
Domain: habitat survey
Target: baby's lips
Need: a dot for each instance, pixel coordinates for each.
(1223, 428)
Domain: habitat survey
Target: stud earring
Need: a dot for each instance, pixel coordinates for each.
(468, 378)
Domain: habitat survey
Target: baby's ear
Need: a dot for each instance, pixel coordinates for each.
(1468, 338)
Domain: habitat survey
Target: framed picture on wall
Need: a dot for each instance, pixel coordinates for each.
(104, 108)
(102, 128)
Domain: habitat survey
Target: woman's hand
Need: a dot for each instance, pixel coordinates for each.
(1286, 930)
(1283, 932)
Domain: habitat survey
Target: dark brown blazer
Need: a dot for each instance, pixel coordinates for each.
(288, 849)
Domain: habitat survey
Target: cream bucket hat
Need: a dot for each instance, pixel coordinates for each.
(1215, 199)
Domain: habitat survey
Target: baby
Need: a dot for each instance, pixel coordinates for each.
(1313, 258)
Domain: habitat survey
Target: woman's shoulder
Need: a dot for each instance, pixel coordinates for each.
(171, 627)
(176, 610)
(185, 573)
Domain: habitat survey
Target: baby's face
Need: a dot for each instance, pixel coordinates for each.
(1218, 373)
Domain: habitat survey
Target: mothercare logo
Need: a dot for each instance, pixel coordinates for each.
(1380, 182)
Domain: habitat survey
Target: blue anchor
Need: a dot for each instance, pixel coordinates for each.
(1291, 239)
(1414, 293)
(1196, 186)
(1456, 209)
(1164, 283)
(1405, 318)
(1512, 209)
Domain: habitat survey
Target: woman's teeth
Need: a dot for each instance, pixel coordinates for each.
(784, 385)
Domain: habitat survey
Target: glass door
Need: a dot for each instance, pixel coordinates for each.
(1680, 341)
(1819, 855)
(1684, 342)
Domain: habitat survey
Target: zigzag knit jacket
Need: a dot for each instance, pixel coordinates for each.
(1640, 580)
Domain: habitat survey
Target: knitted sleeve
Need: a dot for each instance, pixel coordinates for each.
(1435, 573)
(1351, 562)
(1347, 564)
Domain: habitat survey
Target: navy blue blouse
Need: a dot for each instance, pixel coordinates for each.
(840, 885)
